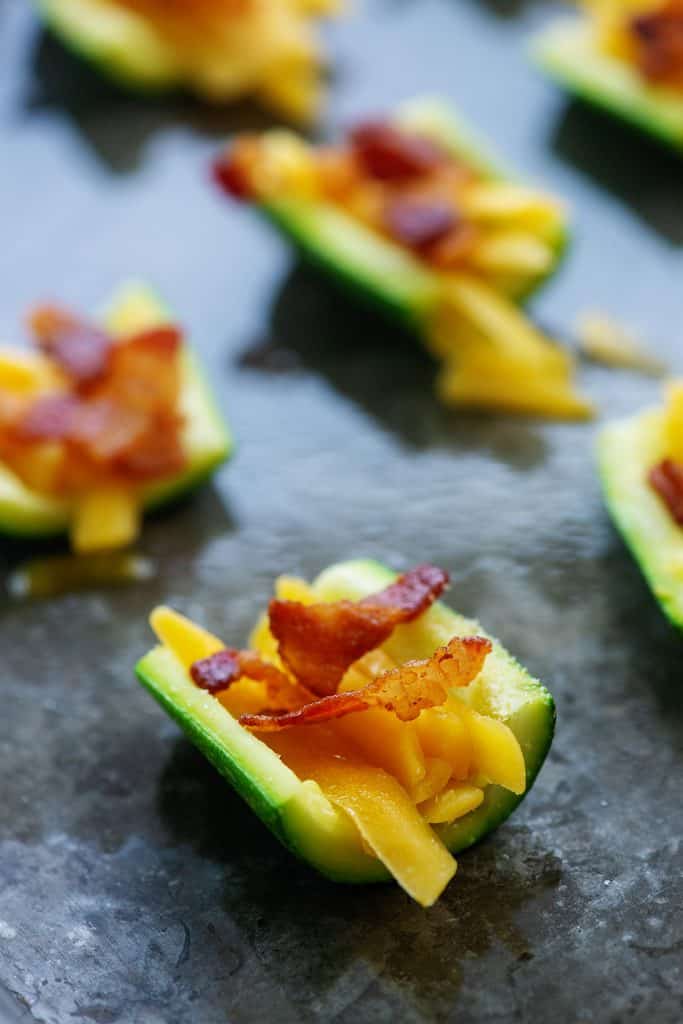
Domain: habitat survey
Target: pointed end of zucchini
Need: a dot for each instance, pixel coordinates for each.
(567, 52)
(626, 450)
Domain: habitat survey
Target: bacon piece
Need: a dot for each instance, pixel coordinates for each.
(156, 452)
(164, 340)
(49, 418)
(119, 420)
(319, 642)
(80, 349)
(406, 690)
(658, 36)
(219, 671)
(454, 247)
(419, 223)
(412, 593)
(231, 177)
(666, 479)
(144, 373)
(335, 705)
(389, 154)
(106, 430)
(232, 170)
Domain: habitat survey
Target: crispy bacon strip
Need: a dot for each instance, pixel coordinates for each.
(219, 671)
(658, 36)
(390, 154)
(406, 690)
(49, 418)
(118, 420)
(319, 642)
(80, 349)
(666, 478)
(420, 223)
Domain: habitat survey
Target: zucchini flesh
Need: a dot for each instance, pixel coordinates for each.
(569, 53)
(297, 812)
(206, 439)
(627, 450)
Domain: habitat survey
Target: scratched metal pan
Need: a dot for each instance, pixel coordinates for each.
(134, 886)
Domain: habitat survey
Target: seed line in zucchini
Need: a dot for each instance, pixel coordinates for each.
(102, 421)
(625, 58)
(373, 730)
(641, 467)
(264, 49)
(413, 214)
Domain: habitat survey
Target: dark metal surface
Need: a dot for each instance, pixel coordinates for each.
(134, 887)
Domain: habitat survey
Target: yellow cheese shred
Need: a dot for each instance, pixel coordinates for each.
(385, 816)
(188, 641)
(451, 803)
(105, 519)
(673, 421)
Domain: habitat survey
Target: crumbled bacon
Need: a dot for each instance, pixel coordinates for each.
(49, 418)
(80, 349)
(157, 452)
(104, 429)
(232, 169)
(119, 419)
(419, 223)
(658, 36)
(406, 690)
(319, 642)
(412, 593)
(219, 671)
(666, 478)
(389, 154)
(454, 247)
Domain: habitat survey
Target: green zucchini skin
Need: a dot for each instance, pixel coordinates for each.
(505, 690)
(567, 53)
(26, 514)
(374, 269)
(115, 43)
(627, 450)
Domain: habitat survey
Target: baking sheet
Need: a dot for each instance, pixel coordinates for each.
(134, 886)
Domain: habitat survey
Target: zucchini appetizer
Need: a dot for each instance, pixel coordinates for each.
(625, 56)
(641, 466)
(219, 49)
(413, 214)
(373, 730)
(102, 421)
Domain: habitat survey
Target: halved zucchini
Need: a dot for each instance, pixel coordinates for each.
(206, 438)
(466, 314)
(297, 811)
(627, 451)
(265, 49)
(569, 53)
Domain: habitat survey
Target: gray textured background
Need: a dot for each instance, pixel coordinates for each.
(134, 887)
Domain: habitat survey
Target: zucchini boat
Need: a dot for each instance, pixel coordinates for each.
(380, 776)
(623, 58)
(641, 467)
(414, 215)
(109, 480)
(263, 48)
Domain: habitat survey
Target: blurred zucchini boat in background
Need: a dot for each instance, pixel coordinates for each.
(641, 467)
(372, 729)
(218, 49)
(625, 56)
(102, 422)
(414, 214)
